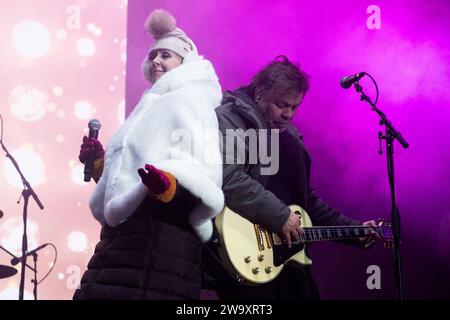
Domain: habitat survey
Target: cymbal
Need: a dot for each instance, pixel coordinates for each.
(6, 271)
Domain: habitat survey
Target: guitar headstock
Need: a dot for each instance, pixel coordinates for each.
(384, 229)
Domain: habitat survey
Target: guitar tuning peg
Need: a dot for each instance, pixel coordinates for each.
(389, 245)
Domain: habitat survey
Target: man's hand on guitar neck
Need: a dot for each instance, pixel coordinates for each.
(369, 241)
(292, 229)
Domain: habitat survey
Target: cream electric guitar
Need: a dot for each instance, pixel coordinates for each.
(254, 255)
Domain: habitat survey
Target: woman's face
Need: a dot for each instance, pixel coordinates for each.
(162, 61)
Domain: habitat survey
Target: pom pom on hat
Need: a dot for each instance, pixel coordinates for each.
(159, 23)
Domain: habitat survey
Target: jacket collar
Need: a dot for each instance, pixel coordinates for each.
(193, 69)
(243, 103)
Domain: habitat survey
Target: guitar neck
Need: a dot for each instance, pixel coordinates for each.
(334, 233)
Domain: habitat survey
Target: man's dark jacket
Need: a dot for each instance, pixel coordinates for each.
(243, 184)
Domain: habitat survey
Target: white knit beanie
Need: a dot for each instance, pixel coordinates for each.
(161, 25)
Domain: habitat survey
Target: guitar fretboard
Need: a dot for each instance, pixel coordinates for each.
(334, 233)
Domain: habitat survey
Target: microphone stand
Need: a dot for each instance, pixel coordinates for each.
(391, 134)
(28, 266)
(34, 281)
(26, 193)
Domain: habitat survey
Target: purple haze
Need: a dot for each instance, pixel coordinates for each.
(408, 57)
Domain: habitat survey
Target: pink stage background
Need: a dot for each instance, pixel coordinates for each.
(409, 58)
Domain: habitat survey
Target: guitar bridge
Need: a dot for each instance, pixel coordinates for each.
(268, 239)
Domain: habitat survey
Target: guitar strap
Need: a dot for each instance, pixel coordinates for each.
(215, 241)
(211, 247)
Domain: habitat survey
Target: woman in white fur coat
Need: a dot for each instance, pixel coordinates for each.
(159, 180)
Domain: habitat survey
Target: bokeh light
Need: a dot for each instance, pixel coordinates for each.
(30, 163)
(77, 175)
(83, 110)
(77, 241)
(51, 107)
(12, 293)
(56, 67)
(98, 32)
(11, 232)
(86, 47)
(31, 39)
(27, 102)
(61, 34)
(58, 91)
(91, 27)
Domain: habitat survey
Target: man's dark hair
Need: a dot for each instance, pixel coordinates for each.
(280, 76)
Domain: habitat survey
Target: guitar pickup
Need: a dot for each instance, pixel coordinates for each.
(259, 238)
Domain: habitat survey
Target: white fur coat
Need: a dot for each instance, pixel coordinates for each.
(174, 127)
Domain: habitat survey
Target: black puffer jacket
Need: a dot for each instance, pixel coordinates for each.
(152, 255)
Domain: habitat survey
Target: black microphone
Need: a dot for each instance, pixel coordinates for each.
(94, 127)
(16, 260)
(347, 82)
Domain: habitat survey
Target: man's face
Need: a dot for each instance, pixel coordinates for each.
(279, 110)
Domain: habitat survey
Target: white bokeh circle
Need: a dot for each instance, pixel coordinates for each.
(31, 39)
(28, 103)
(86, 47)
(11, 232)
(31, 165)
(83, 110)
(77, 241)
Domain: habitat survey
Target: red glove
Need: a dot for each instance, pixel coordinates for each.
(155, 180)
(88, 146)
